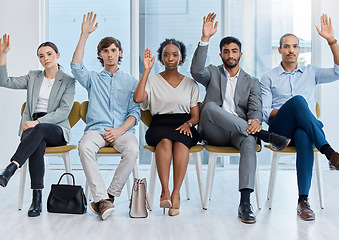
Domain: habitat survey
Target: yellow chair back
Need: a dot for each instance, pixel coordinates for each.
(146, 117)
(73, 116)
(83, 110)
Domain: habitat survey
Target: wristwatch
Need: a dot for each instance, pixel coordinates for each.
(189, 124)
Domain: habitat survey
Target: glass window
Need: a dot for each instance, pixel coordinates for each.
(64, 28)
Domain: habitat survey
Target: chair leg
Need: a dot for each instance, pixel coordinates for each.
(152, 178)
(273, 174)
(319, 180)
(209, 180)
(67, 162)
(257, 187)
(198, 169)
(22, 185)
(187, 185)
(210, 196)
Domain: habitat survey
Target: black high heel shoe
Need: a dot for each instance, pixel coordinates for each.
(36, 206)
(7, 173)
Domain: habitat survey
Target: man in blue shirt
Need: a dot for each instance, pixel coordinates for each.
(111, 117)
(288, 94)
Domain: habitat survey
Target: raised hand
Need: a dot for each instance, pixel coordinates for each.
(148, 60)
(208, 30)
(326, 30)
(88, 26)
(4, 44)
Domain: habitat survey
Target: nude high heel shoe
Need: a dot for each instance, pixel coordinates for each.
(166, 203)
(174, 211)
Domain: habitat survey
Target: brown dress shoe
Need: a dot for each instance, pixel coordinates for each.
(304, 211)
(334, 159)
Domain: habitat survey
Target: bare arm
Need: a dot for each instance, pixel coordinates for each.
(140, 94)
(185, 128)
(87, 28)
(4, 48)
(112, 134)
(273, 113)
(326, 31)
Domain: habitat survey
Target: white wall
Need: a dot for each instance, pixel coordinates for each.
(330, 92)
(20, 19)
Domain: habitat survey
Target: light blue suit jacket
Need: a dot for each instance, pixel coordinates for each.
(60, 100)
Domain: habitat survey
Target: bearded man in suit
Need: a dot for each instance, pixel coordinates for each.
(231, 114)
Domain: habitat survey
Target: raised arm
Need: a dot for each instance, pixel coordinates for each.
(198, 70)
(326, 31)
(4, 49)
(140, 94)
(87, 28)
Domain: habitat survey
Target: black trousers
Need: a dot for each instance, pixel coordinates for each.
(33, 144)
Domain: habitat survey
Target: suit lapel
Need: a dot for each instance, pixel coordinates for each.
(240, 84)
(55, 90)
(36, 91)
(223, 83)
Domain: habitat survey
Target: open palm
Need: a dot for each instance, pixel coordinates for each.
(88, 25)
(4, 44)
(148, 60)
(208, 30)
(326, 30)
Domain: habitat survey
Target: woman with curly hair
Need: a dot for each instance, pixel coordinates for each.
(172, 99)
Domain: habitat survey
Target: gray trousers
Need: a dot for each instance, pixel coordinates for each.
(89, 145)
(221, 128)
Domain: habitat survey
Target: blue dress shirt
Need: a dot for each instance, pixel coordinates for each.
(110, 97)
(278, 86)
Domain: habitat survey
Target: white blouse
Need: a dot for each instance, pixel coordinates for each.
(164, 99)
(44, 93)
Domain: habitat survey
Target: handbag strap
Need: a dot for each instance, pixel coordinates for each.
(64, 175)
(148, 205)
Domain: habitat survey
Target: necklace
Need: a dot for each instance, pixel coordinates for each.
(49, 82)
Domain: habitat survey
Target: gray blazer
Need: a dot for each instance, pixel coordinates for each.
(247, 96)
(60, 100)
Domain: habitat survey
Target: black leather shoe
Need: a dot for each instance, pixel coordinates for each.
(334, 159)
(36, 206)
(278, 142)
(245, 213)
(7, 173)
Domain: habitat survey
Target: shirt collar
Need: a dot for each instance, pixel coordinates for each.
(281, 70)
(228, 75)
(104, 71)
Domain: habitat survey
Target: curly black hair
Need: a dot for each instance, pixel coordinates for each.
(178, 44)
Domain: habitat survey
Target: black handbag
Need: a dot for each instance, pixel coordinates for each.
(64, 198)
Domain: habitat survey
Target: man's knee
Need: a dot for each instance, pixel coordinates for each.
(210, 106)
(299, 101)
(86, 146)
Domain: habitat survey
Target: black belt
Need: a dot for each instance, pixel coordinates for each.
(37, 115)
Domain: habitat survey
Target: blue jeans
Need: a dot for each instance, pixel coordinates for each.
(295, 120)
(33, 144)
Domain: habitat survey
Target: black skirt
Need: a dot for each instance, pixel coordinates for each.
(164, 125)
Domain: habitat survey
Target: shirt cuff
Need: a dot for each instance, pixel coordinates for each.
(76, 65)
(203, 43)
